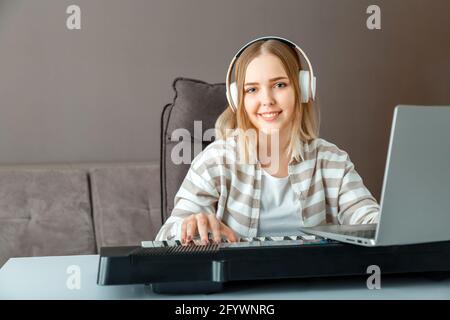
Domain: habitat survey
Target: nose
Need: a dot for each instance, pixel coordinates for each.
(267, 97)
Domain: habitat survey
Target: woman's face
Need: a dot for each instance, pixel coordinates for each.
(269, 98)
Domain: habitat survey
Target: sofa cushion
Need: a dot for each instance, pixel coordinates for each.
(126, 204)
(194, 100)
(45, 212)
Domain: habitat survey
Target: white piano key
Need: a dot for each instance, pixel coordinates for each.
(147, 244)
(158, 244)
(172, 243)
(198, 242)
(241, 244)
(309, 237)
(277, 238)
(289, 242)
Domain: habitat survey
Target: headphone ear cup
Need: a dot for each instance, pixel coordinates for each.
(303, 80)
(314, 88)
(234, 95)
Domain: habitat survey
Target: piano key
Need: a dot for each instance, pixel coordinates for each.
(241, 244)
(281, 243)
(178, 242)
(198, 242)
(309, 237)
(147, 244)
(277, 238)
(158, 244)
(275, 242)
(172, 243)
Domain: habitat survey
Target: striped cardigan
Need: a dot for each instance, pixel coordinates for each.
(329, 188)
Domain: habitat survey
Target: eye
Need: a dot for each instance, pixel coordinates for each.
(250, 90)
(280, 85)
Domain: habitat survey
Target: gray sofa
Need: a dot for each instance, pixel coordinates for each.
(47, 211)
(76, 209)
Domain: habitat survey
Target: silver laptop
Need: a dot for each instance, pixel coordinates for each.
(415, 199)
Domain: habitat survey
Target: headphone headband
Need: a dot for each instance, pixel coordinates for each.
(285, 41)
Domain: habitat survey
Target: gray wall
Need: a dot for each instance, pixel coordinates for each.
(95, 95)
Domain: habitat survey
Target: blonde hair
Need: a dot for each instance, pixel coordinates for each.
(305, 122)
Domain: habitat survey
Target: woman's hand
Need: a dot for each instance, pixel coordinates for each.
(201, 224)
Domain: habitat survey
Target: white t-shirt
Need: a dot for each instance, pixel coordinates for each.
(280, 213)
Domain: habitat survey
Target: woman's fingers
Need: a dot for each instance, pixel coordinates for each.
(191, 228)
(203, 223)
(183, 231)
(215, 226)
(203, 227)
(227, 232)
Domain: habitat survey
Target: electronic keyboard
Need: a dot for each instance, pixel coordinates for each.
(171, 267)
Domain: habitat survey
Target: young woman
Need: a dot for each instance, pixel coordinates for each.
(268, 173)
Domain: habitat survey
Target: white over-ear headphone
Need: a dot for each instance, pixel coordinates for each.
(307, 87)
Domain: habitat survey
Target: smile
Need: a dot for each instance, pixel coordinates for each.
(269, 116)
